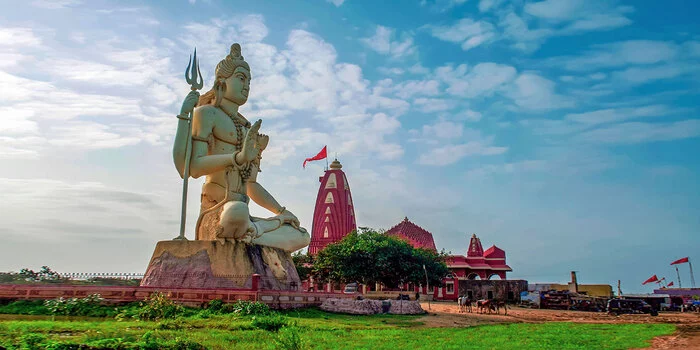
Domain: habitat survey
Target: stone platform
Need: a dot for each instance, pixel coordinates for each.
(212, 264)
(371, 307)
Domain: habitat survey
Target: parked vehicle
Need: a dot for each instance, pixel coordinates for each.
(351, 288)
(630, 306)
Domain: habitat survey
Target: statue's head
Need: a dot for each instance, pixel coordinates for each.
(232, 81)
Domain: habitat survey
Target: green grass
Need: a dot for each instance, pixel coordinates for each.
(317, 330)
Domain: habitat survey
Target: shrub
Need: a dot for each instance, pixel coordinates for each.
(289, 338)
(271, 323)
(25, 307)
(74, 306)
(247, 308)
(31, 341)
(158, 307)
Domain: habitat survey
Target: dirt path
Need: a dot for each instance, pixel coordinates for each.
(687, 336)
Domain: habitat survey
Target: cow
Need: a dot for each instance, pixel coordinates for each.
(483, 304)
(498, 305)
(465, 305)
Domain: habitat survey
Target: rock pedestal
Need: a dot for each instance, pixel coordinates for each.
(212, 264)
(371, 307)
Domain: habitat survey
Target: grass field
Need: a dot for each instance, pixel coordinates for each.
(313, 329)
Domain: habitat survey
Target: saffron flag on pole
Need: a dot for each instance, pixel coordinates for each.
(670, 284)
(680, 261)
(319, 156)
(651, 279)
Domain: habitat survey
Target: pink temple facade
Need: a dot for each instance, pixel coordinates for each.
(334, 214)
(479, 264)
(413, 234)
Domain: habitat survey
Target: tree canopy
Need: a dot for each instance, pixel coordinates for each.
(371, 257)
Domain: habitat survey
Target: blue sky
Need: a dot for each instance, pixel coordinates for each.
(565, 132)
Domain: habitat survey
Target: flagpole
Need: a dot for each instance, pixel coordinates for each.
(326, 158)
(692, 276)
(679, 277)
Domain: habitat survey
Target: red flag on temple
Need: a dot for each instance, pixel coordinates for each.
(319, 156)
(680, 261)
(670, 284)
(651, 279)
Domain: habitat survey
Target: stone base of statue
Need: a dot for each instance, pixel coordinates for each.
(213, 264)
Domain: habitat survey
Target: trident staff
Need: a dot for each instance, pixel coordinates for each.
(193, 77)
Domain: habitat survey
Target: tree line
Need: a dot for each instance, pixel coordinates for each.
(367, 256)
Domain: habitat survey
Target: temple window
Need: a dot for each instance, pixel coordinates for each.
(325, 232)
(331, 183)
(329, 198)
(450, 287)
(328, 210)
(327, 219)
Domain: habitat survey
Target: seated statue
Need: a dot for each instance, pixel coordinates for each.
(228, 150)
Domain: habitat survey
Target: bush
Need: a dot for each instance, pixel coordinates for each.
(74, 306)
(159, 307)
(289, 338)
(271, 323)
(247, 308)
(25, 307)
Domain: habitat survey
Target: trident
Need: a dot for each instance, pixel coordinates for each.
(193, 77)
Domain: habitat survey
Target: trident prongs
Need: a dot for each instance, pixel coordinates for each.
(192, 74)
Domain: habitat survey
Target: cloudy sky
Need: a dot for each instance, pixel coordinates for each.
(565, 132)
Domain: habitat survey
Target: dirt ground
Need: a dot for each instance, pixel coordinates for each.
(687, 336)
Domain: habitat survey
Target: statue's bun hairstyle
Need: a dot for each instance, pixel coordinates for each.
(224, 70)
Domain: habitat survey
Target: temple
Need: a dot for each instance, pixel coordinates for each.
(334, 215)
(413, 234)
(479, 264)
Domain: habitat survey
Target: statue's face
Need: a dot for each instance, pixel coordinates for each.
(238, 85)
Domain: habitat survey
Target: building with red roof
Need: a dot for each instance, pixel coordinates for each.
(413, 234)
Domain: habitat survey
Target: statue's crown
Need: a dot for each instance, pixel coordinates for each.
(235, 53)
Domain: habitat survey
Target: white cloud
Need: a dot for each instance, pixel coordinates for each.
(443, 130)
(621, 54)
(488, 5)
(18, 37)
(429, 105)
(410, 88)
(535, 93)
(468, 115)
(635, 132)
(612, 115)
(383, 42)
(467, 32)
(482, 79)
(581, 15)
(337, 3)
(450, 154)
(55, 4)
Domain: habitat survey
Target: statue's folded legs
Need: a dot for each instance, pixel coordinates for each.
(236, 223)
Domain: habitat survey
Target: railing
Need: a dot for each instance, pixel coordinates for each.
(189, 296)
(89, 275)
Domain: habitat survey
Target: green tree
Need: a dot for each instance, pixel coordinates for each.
(371, 257)
(303, 262)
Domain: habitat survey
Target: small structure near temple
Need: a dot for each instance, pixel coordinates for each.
(334, 214)
(479, 264)
(413, 234)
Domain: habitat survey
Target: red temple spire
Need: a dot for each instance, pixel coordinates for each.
(334, 215)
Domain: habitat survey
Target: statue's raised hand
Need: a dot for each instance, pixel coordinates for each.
(189, 102)
(263, 140)
(248, 152)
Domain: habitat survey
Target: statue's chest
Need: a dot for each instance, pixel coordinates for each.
(225, 130)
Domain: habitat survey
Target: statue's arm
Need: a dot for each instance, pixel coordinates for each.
(202, 128)
(259, 194)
